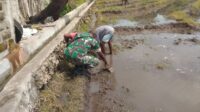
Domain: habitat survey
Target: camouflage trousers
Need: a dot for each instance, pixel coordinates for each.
(92, 61)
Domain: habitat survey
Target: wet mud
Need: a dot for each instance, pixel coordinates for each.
(154, 76)
(172, 28)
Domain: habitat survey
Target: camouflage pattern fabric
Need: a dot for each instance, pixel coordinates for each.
(77, 51)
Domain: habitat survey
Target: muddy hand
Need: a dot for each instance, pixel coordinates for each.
(109, 68)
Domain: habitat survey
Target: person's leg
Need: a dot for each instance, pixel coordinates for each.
(90, 60)
(87, 63)
(107, 39)
(102, 45)
(110, 46)
(79, 68)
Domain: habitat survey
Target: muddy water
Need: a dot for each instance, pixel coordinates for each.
(127, 23)
(156, 76)
(158, 20)
(161, 20)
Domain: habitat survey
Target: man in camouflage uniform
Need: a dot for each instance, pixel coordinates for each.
(80, 51)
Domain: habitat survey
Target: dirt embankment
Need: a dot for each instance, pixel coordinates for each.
(58, 91)
(182, 28)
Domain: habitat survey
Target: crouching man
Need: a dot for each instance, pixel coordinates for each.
(80, 51)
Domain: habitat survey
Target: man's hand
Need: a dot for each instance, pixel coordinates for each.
(109, 68)
(101, 55)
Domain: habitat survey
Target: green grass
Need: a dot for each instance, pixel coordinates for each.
(113, 8)
(63, 95)
(84, 27)
(196, 5)
(66, 9)
(70, 6)
(183, 17)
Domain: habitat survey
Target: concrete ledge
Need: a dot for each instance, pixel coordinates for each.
(1, 15)
(20, 92)
(2, 55)
(5, 70)
(34, 43)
